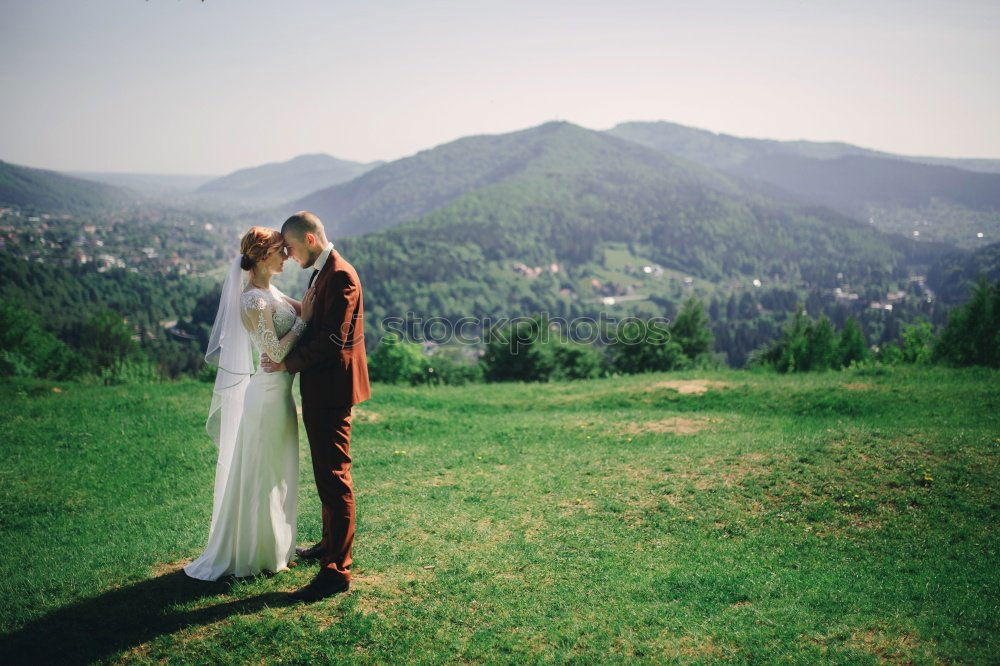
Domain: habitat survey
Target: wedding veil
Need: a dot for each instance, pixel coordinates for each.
(229, 348)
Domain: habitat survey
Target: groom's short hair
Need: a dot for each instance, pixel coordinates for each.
(301, 223)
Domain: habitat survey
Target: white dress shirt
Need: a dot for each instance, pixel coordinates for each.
(321, 260)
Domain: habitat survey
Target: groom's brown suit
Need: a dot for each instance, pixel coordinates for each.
(333, 375)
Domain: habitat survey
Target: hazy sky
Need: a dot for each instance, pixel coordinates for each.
(181, 86)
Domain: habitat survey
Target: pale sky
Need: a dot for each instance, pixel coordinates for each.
(181, 86)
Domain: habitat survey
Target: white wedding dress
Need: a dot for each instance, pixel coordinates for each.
(253, 519)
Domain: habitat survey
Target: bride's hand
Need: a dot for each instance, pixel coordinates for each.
(307, 304)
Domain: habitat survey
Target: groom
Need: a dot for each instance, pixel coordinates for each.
(330, 358)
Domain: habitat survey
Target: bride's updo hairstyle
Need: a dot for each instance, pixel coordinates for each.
(256, 244)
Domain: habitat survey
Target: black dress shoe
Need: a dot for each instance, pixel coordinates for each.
(325, 584)
(310, 553)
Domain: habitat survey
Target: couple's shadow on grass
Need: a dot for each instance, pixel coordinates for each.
(126, 617)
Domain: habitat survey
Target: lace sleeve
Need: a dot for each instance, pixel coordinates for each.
(260, 324)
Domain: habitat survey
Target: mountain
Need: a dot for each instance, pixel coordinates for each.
(149, 184)
(951, 200)
(54, 192)
(724, 150)
(558, 218)
(921, 200)
(279, 182)
(411, 187)
(846, 183)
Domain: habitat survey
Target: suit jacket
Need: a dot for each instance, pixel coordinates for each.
(330, 357)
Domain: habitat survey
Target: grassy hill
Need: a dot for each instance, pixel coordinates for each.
(53, 192)
(282, 181)
(835, 518)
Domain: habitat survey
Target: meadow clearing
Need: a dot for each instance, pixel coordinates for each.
(732, 516)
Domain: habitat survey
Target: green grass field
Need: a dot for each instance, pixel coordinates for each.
(698, 517)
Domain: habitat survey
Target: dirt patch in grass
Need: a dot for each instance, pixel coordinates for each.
(533, 527)
(715, 471)
(658, 487)
(689, 386)
(889, 648)
(577, 504)
(377, 591)
(690, 647)
(364, 416)
(675, 425)
(900, 646)
(164, 568)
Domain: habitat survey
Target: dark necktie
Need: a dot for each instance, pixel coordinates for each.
(312, 277)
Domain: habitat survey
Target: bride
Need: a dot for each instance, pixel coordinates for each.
(252, 417)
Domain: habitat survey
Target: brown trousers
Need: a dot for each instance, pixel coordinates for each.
(329, 432)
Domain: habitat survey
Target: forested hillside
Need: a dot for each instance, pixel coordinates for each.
(725, 150)
(54, 192)
(950, 200)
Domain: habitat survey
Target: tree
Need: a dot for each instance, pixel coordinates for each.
(803, 345)
(514, 352)
(27, 350)
(852, 345)
(644, 346)
(890, 354)
(104, 340)
(822, 347)
(917, 343)
(574, 360)
(972, 334)
(692, 329)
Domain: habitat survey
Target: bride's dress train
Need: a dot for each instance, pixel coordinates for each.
(253, 525)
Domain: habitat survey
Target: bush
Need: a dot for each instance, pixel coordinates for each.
(806, 345)
(869, 367)
(443, 369)
(889, 354)
(131, 371)
(648, 346)
(574, 360)
(644, 346)
(917, 343)
(27, 350)
(515, 352)
(527, 350)
(397, 361)
(207, 373)
(104, 341)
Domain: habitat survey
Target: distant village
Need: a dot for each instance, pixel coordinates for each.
(144, 240)
(611, 292)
